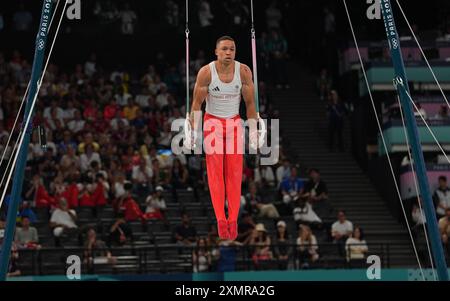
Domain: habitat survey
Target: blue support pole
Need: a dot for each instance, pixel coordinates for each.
(36, 74)
(401, 83)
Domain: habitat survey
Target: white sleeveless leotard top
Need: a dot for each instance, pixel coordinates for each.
(224, 98)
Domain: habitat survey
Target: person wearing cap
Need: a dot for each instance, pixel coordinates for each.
(156, 205)
(261, 242)
(282, 249)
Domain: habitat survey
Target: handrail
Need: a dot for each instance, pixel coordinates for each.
(328, 256)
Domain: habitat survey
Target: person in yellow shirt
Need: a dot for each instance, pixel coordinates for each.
(88, 139)
(130, 110)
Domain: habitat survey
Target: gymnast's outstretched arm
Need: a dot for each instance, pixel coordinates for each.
(200, 93)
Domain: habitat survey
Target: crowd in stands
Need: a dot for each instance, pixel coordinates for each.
(107, 144)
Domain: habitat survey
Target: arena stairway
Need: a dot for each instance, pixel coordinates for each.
(303, 120)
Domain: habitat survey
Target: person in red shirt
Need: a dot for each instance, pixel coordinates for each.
(100, 124)
(109, 112)
(41, 196)
(90, 111)
(100, 190)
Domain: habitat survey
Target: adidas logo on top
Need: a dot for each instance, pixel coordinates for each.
(216, 89)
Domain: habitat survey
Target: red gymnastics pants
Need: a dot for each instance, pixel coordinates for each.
(223, 146)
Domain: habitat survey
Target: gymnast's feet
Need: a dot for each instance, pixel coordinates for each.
(222, 229)
(233, 228)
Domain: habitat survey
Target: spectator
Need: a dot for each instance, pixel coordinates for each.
(261, 243)
(213, 241)
(142, 178)
(96, 252)
(419, 111)
(88, 140)
(278, 53)
(178, 177)
(130, 111)
(442, 114)
(255, 206)
(26, 237)
(25, 210)
(2, 229)
(283, 171)
(204, 14)
(128, 18)
(418, 217)
(14, 268)
(76, 124)
(120, 231)
(246, 229)
(88, 157)
(304, 214)
(441, 197)
(143, 99)
(341, 231)
(90, 67)
(156, 205)
(165, 137)
(70, 159)
(335, 112)
(273, 16)
(130, 207)
(119, 121)
(264, 177)
(238, 12)
(67, 142)
(201, 257)
(63, 221)
(307, 246)
(22, 19)
(172, 15)
(356, 248)
(100, 190)
(329, 22)
(106, 11)
(39, 194)
(291, 188)
(419, 228)
(122, 97)
(282, 247)
(324, 84)
(316, 193)
(185, 234)
(444, 229)
(162, 100)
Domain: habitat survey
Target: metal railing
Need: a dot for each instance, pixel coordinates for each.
(171, 258)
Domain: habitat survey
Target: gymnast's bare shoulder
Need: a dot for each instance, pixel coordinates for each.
(204, 76)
